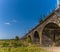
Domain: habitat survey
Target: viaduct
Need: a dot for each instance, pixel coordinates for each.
(47, 32)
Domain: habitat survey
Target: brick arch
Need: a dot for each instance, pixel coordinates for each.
(48, 22)
(29, 37)
(49, 34)
(36, 37)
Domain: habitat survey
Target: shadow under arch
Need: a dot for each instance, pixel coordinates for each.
(51, 35)
(36, 37)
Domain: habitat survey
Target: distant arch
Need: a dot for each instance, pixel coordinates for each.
(29, 37)
(36, 37)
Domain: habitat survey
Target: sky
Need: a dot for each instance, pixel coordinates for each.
(17, 17)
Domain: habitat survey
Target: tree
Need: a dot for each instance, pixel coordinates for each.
(17, 38)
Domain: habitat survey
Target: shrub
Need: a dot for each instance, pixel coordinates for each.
(28, 40)
(5, 44)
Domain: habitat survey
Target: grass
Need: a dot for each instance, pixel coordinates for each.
(22, 49)
(20, 46)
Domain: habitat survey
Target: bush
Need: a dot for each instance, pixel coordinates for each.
(28, 40)
(17, 38)
(19, 43)
(5, 44)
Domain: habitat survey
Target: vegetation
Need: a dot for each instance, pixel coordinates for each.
(28, 40)
(21, 46)
(17, 38)
(21, 49)
(5, 44)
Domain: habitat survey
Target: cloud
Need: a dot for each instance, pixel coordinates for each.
(14, 21)
(11, 22)
(7, 23)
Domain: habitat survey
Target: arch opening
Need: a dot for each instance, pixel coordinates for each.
(29, 39)
(51, 35)
(36, 37)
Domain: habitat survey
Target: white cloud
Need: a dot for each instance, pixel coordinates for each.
(14, 21)
(7, 23)
(11, 22)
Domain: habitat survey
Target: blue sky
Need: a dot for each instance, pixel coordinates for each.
(17, 17)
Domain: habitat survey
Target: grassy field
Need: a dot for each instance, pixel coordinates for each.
(22, 49)
(18, 46)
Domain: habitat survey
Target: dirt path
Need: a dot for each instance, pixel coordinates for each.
(52, 49)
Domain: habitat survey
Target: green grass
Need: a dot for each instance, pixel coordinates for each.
(22, 49)
(18, 46)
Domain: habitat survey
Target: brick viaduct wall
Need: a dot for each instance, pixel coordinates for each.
(53, 18)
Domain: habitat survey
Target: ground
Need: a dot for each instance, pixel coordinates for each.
(52, 49)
